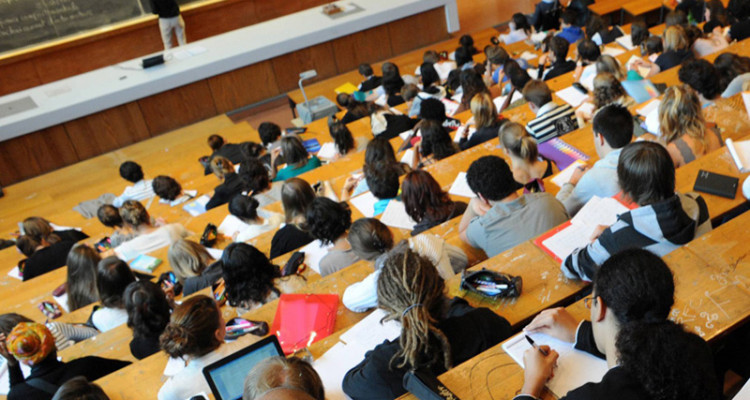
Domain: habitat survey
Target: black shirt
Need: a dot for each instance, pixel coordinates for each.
(193, 284)
(71, 234)
(426, 223)
(557, 69)
(142, 347)
(469, 331)
(230, 151)
(287, 239)
(165, 8)
(47, 259)
(480, 136)
(740, 30)
(57, 373)
(370, 83)
(672, 58)
(395, 124)
(232, 186)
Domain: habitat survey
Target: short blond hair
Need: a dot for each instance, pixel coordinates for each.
(187, 259)
(680, 114)
(675, 38)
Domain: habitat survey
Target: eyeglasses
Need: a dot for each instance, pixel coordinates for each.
(589, 301)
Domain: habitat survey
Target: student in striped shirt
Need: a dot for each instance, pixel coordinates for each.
(141, 189)
(551, 120)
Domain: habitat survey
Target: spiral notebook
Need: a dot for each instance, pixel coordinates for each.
(561, 153)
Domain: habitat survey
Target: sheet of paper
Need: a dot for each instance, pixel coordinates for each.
(613, 51)
(198, 206)
(351, 349)
(533, 73)
(62, 301)
(327, 151)
(625, 41)
(460, 131)
(314, 252)
(405, 134)
(460, 187)
(231, 224)
(746, 100)
(451, 106)
(381, 100)
(395, 215)
(587, 108)
(744, 393)
(650, 106)
(527, 55)
(587, 77)
(572, 96)
(500, 100)
(174, 365)
(574, 368)
(365, 203)
(740, 152)
(564, 176)
(215, 253)
(652, 122)
(15, 273)
(5, 380)
(408, 157)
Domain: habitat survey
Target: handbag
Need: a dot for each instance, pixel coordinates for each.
(491, 284)
(208, 239)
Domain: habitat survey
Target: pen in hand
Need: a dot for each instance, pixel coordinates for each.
(531, 342)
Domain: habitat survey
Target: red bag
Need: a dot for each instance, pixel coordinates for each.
(303, 319)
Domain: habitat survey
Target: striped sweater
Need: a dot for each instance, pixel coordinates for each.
(660, 228)
(552, 121)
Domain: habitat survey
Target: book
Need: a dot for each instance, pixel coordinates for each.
(561, 241)
(197, 207)
(561, 153)
(347, 88)
(145, 263)
(740, 152)
(717, 184)
(641, 91)
(574, 367)
(311, 145)
(460, 187)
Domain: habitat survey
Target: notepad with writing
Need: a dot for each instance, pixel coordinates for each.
(561, 153)
(574, 367)
(460, 187)
(561, 241)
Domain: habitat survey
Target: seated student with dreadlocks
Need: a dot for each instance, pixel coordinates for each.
(436, 334)
(649, 356)
(663, 220)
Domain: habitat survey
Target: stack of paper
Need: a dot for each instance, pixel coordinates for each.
(740, 152)
(365, 203)
(460, 187)
(327, 151)
(351, 349)
(231, 225)
(572, 96)
(574, 367)
(598, 211)
(395, 215)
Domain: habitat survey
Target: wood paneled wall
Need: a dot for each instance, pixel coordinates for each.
(55, 147)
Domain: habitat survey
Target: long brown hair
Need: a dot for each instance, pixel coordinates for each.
(192, 328)
(410, 290)
(680, 114)
(423, 196)
(82, 262)
(296, 196)
(40, 230)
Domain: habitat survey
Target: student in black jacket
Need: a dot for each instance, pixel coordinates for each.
(33, 344)
(371, 81)
(648, 356)
(231, 185)
(557, 53)
(296, 197)
(486, 121)
(42, 257)
(436, 333)
(148, 310)
(230, 151)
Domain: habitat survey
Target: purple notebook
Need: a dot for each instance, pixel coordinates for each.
(561, 153)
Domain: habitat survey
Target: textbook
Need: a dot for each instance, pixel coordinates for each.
(311, 145)
(641, 91)
(561, 153)
(574, 367)
(561, 241)
(198, 206)
(145, 263)
(740, 152)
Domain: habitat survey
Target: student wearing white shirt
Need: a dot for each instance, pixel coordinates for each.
(519, 29)
(112, 278)
(141, 188)
(149, 237)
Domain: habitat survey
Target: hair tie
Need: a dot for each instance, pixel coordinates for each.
(403, 314)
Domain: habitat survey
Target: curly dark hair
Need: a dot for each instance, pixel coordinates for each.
(255, 175)
(166, 187)
(436, 140)
(491, 177)
(148, 309)
(669, 362)
(248, 274)
(327, 220)
(422, 195)
(702, 76)
(131, 171)
(635, 285)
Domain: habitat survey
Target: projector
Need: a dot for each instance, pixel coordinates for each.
(316, 108)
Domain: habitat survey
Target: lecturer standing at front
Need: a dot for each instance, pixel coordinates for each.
(170, 21)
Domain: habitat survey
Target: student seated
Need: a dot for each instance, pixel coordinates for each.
(484, 118)
(296, 196)
(569, 31)
(734, 72)
(613, 130)
(166, 188)
(378, 151)
(149, 237)
(431, 89)
(601, 34)
(141, 188)
(298, 161)
(193, 266)
(518, 29)
(254, 175)
(528, 167)
(676, 50)
(464, 58)
(556, 53)
(41, 256)
(195, 333)
(79, 388)
(109, 216)
(391, 84)
(343, 139)
(81, 277)
(246, 209)
(607, 90)
(473, 84)
(704, 44)
(328, 222)
(112, 278)
(270, 136)
(663, 221)
(434, 110)
(543, 18)
(648, 356)
(426, 202)
(638, 35)
(551, 120)
(518, 78)
(371, 240)
(231, 183)
(382, 180)
(497, 57)
(39, 228)
(498, 219)
(442, 66)
(33, 344)
(230, 151)
(251, 280)
(434, 330)
(65, 334)
(436, 144)
(684, 131)
(371, 80)
(148, 314)
(281, 372)
(355, 110)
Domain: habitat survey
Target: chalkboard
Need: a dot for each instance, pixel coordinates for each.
(28, 22)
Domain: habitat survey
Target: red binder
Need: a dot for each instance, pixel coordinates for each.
(303, 319)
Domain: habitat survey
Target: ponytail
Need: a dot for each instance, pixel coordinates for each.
(518, 142)
(192, 328)
(370, 238)
(244, 207)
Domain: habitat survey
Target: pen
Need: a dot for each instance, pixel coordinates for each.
(531, 342)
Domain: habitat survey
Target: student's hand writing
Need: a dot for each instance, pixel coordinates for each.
(598, 232)
(349, 185)
(556, 322)
(4, 351)
(578, 174)
(538, 369)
